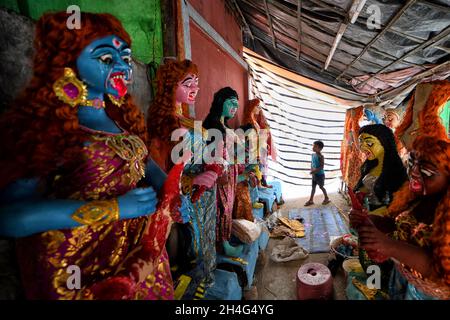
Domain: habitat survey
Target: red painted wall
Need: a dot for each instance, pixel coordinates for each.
(219, 17)
(216, 67)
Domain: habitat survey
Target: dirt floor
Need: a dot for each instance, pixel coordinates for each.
(277, 281)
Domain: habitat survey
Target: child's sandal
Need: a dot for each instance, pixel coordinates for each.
(309, 203)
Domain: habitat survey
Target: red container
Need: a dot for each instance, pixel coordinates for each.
(314, 282)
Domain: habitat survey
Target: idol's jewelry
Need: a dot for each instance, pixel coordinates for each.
(116, 101)
(96, 103)
(69, 89)
(97, 212)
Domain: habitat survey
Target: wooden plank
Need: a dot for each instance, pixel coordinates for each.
(183, 31)
(243, 19)
(353, 14)
(355, 10)
(328, 7)
(269, 20)
(336, 41)
(169, 28)
(299, 19)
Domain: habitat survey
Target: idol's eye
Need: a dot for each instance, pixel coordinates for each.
(428, 172)
(369, 144)
(127, 59)
(106, 59)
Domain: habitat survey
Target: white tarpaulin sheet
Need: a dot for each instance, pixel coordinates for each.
(298, 115)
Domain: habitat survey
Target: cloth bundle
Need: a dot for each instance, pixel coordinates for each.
(288, 227)
(245, 230)
(288, 250)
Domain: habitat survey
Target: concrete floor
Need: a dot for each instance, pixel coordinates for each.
(277, 281)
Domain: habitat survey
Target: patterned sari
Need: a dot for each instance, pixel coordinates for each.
(110, 165)
(199, 219)
(226, 191)
(406, 283)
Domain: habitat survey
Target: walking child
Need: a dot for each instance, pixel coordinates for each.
(317, 172)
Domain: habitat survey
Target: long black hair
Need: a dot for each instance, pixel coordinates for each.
(212, 120)
(393, 173)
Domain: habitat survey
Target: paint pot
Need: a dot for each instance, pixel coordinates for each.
(314, 282)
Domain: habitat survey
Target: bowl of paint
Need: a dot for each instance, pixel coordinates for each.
(345, 246)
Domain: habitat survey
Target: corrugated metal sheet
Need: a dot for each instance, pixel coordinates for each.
(320, 20)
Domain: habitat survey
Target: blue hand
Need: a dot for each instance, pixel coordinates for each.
(137, 202)
(371, 116)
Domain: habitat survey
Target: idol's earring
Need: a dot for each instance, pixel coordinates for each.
(69, 89)
(116, 101)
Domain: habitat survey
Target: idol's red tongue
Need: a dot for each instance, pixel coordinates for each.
(415, 186)
(119, 85)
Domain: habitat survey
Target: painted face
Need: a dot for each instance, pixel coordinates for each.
(391, 120)
(371, 146)
(257, 110)
(105, 66)
(187, 89)
(230, 107)
(424, 177)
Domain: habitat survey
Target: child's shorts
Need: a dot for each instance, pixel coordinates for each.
(318, 180)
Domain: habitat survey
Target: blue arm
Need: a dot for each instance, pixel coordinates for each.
(24, 211)
(25, 218)
(371, 116)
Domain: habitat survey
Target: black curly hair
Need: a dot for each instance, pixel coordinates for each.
(212, 120)
(319, 144)
(393, 174)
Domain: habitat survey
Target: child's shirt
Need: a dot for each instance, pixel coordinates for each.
(315, 163)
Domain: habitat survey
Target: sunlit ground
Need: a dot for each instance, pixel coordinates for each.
(294, 192)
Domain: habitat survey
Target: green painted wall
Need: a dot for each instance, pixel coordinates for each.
(10, 4)
(445, 115)
(141, 18)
